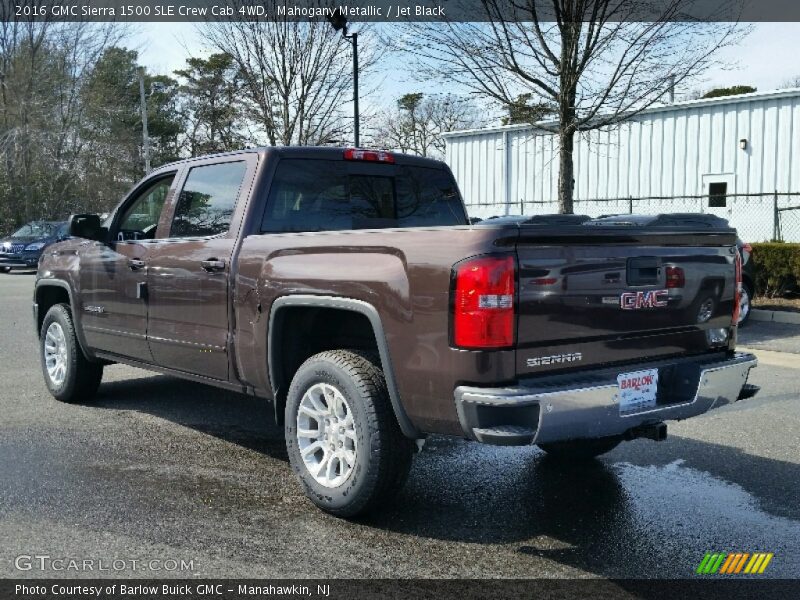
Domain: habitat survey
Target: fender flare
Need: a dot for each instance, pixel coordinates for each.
(349, 304)
(60, 283)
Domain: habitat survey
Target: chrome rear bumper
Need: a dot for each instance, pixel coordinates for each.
(587, 405)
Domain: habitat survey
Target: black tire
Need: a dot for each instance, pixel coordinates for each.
(745, 316)
(82, 377)
(378, 473)
(578, 450)
(5, 269)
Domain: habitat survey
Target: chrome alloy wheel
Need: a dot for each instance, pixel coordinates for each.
(326, 435)
(55, 354)
(744, 304)
(706, 310)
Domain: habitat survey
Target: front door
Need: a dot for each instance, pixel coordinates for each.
(188, 273)
(113, 274)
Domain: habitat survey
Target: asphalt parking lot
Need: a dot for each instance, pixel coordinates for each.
(157, 468)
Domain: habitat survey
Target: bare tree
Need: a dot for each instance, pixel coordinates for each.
(792, 82)
(418, 121)
(43, 66)
(296, 75)
(595, 62)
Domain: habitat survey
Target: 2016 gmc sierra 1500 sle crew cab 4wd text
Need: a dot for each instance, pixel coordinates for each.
(348, 289)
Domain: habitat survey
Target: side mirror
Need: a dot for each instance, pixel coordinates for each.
(85, 226)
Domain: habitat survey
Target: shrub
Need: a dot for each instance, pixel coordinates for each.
(776, 267)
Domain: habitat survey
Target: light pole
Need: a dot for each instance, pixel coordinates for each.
(339, 23)
(145, 134)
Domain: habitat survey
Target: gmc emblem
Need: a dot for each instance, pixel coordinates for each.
(637, 300)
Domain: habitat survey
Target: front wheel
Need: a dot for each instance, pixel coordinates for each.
(5, 269)
(343, 440)
(69, 376)
(583, 449)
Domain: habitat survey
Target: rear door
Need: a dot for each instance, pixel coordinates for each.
(189, 272)
(597, 296)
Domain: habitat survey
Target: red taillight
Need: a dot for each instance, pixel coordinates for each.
(737, 293)
(483, 305)
(368, 155)
(676, 278)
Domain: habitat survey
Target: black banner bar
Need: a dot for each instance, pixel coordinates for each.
(389, 10)
(721, 588)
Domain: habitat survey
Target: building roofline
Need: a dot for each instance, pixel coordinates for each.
(699, 103)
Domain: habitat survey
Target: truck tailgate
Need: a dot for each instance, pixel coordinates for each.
(591, 295)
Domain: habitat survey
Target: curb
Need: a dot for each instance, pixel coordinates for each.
(788, 360)
(775, 316)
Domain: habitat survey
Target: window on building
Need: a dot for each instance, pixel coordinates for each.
(717, 195)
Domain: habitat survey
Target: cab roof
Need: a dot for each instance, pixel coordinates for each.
(311, 152)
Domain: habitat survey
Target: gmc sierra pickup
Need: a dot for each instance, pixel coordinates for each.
(348, 289)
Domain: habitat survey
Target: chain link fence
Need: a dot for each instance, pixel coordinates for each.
(788, 224)
(757, 217)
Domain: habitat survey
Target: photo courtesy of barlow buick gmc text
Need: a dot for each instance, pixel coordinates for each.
(480, 299)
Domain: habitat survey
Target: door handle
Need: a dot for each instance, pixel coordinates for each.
(212, 265)
(135, 264)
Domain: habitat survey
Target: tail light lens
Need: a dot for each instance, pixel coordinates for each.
(676, 278)
(368, 155)
(483, 304)
(737, 293)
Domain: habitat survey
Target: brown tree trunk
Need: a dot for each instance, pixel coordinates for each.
(568, 84)
(566, 145)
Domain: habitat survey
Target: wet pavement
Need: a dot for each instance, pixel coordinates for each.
(157, 468)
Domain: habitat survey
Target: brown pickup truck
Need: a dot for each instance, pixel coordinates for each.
(349, 289)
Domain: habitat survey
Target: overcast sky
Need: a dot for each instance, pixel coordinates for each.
(766, 58)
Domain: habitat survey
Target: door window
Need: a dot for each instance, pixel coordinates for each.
(140, 219)
(205, 205)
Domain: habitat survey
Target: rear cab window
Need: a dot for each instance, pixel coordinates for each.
(328, 195)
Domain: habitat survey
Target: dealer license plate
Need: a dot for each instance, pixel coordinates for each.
(637, 391)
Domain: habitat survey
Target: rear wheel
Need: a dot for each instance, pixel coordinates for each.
(705, 308)
(5, 269)
(69, 376)
(745, 300)
(343, 441)
(583, 449)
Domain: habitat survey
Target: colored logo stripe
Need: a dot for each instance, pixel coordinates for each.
(734, 562)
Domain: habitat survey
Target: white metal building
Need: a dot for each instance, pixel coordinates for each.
(707, 155)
